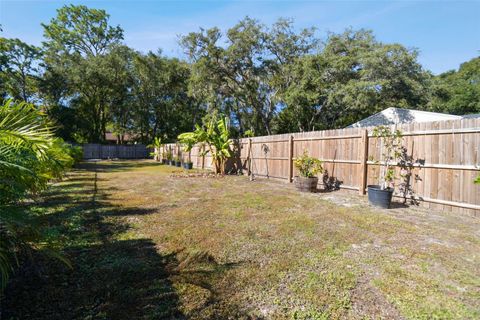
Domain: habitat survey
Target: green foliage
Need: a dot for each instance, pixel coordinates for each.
(243, 75)
(19, 69)
(308, 166)
(265, 78)
(353, 77)
(76, 152)
(169, 154)
(249, 133)
(81, 30)
(457, 92)
(215, 134)
(188, 141)
(477, 180)
(30, 156)
(156, 145)
(391, 150)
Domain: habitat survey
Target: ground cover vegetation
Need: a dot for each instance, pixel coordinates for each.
(265, 79)
(146, 244)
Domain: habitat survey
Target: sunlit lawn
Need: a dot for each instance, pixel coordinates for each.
(145, 245)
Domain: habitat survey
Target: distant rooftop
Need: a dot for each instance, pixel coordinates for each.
(113, 137)
(471, 116)
(391, 116)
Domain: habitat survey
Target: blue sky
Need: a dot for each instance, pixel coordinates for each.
(446, 33)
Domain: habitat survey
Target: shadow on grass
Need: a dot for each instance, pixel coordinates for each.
(111, 278)
(117, 165)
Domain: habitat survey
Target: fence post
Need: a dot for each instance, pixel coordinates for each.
(363, 161)
(290, 159)
(203, 157)
(250, 156)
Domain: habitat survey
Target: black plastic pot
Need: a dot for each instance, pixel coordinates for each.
(164, 161)
(178, 164)
(378, 197)
(172, 163)
(188, 165)
(306, 184)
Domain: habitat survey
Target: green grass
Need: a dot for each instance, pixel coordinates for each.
(146, 245)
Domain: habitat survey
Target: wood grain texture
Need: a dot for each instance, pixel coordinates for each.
(446, 155)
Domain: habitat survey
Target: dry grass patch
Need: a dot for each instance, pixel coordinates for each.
(231, 248)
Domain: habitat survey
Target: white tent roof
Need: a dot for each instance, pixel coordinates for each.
(396, 116)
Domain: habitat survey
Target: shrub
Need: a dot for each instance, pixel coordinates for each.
(30, 156)
(308, 166)
(76, 152)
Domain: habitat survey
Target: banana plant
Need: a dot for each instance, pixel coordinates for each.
(156, 145)
(188, 140)
(215, 134)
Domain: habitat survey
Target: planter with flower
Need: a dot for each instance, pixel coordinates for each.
(307, 167)
(391, 149)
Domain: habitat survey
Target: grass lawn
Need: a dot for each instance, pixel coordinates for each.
(147, 245)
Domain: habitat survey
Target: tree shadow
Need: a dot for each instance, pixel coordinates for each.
(117, 165)
(111, 277)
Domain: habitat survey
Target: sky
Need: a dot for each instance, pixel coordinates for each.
(446, 33)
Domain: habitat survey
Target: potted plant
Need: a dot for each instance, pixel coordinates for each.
(178, 162)
(188, 165)
(381, 195)
(170, 157)
(164, 158)
(188, 141)
(307, 168)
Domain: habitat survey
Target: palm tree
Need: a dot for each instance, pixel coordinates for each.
(29, 157)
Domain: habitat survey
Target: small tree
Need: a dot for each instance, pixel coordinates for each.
(391, 151)
(156, 145)
(215, 134)
(188, 141)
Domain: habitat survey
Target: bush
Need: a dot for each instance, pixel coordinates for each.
(308, 166)
(30, 156)
(76, 152)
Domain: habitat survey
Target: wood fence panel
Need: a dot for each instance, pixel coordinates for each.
(446, 156)
(99, 151)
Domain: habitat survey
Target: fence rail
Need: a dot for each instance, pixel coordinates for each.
(104, 151)
(446, 156)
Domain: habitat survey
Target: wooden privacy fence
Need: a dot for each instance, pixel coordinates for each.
(105, 151)
(446, 159)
